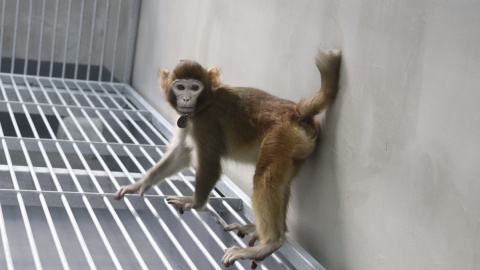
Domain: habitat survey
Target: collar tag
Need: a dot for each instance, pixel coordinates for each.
(182, 121)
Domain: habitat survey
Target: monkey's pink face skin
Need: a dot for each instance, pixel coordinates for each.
(187, 92)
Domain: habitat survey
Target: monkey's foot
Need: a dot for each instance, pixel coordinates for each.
(132, 188)
(256, 253)
(182, 203)
(242, 230)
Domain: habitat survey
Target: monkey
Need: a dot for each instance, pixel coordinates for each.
(247, 125)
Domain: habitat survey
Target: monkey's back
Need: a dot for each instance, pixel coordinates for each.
(247, 114)
(263, 109)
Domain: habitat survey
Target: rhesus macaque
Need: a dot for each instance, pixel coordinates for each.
(247, 125)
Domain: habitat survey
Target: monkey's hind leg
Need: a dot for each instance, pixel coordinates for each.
(273, 173)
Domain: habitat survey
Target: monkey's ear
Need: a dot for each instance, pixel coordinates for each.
(163, 78)
(214, 75)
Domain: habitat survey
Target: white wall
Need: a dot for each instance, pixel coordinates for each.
(394, 182)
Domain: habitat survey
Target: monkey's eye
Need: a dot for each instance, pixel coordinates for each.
(181, 87)
(195, 87)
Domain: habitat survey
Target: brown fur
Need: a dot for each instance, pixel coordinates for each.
(228, 122)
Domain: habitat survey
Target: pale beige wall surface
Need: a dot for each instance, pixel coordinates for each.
(394, 182)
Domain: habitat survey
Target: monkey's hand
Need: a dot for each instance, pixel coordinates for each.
(182, 203)
(242, 230)
(141, 186)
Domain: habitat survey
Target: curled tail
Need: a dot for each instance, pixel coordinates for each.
(328, 63)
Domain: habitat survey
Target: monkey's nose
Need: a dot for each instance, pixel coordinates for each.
(186, 99)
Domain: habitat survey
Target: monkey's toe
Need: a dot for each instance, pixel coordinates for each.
(242, 230)
(231, 255)
(247, 229)
(182, 203)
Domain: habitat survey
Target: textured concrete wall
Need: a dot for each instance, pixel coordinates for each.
(394, 182)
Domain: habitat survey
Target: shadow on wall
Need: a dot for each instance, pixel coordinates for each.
(317, 192)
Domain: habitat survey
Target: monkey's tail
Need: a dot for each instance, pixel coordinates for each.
(328, 63)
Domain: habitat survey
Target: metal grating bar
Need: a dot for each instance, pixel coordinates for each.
(14, 36)
(117, 25)
(79, 38)
(26, 221)
(104, 41)
(92, 31)
(69, 39)
(32, 244)
(149, 237)
(38, 188)
(67, 32)
(28, 36)
(6, 246)
(40, 43)
(68, 146)
(2, 29)
(54, 32)
(125, 234)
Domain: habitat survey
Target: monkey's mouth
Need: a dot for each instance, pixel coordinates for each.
(186, 109)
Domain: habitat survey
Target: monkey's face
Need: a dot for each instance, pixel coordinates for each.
(189, 87)
(187, 91)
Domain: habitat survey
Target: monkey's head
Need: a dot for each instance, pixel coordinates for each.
(189, 87)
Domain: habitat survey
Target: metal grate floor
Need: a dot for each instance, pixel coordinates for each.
(66, 146)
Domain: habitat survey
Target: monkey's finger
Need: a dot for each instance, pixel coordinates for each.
(240, 234)
(231, 227)
(143, 189)
(119, 195)
(171, 200)
(180, 210)
(253, 265)
(124, 190)
(252, 240)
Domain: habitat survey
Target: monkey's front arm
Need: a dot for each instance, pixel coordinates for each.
(208, 173)
(177, 157)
